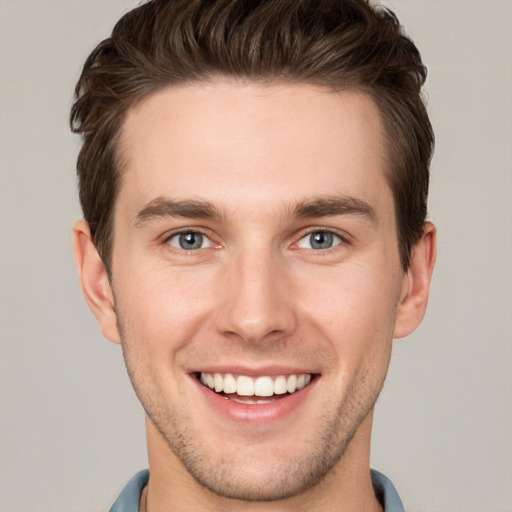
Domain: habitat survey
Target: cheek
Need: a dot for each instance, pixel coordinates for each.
(162, 309)
(159, 314)
(353, 307)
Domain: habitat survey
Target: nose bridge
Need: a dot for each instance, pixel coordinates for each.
(257, 302)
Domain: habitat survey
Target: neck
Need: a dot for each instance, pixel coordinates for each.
(346, 487)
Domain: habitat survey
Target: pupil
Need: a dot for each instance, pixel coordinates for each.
(321, 240)
(191, 241)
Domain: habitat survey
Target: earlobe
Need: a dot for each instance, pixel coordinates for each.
(416, 283)
(94, 281)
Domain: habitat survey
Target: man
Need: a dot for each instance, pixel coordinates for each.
(254, 179)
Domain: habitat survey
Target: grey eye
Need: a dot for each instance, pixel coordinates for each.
(189, 241)
(319, 240)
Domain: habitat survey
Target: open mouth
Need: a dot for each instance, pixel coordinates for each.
(254, 390)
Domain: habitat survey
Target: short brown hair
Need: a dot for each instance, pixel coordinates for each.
(335, 43)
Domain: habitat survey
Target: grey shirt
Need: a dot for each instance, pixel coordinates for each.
(128, 500)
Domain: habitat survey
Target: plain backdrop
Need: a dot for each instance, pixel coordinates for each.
(71, 430)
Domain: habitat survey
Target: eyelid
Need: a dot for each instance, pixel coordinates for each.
(343, 236)
(187, 229)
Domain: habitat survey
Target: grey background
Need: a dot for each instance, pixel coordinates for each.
(71, 430)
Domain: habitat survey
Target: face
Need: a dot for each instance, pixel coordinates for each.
(256, 278)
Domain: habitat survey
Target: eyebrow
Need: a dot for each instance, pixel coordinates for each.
(164, 207)
(332, 205)
(309, 208)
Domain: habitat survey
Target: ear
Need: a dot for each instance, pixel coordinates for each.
(416, 283)
(94, 280)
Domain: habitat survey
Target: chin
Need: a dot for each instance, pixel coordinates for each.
(261, 481)
(260, 474)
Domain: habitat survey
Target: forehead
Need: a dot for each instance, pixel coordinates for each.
(261, 144)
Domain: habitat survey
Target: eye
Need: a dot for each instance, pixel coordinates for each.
(319, 240)
(189, 241)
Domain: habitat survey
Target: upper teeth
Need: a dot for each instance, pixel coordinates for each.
(259, 386)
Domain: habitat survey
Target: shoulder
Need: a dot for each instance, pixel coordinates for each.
(128, 500)
(386, 492)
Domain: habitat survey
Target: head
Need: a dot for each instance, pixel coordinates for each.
(254, 179)
(331, 43)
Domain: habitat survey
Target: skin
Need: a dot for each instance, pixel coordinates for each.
(271, 161)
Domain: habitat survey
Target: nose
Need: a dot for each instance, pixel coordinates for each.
(258, 299)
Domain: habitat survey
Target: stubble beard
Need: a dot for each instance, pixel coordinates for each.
(264, 481)
(255, 480)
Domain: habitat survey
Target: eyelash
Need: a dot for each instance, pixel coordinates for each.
(335, 239)
(341, 239)
(188, 231)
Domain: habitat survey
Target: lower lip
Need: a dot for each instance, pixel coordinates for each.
(255, 413)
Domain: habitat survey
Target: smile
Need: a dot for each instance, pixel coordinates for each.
(241, 388)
